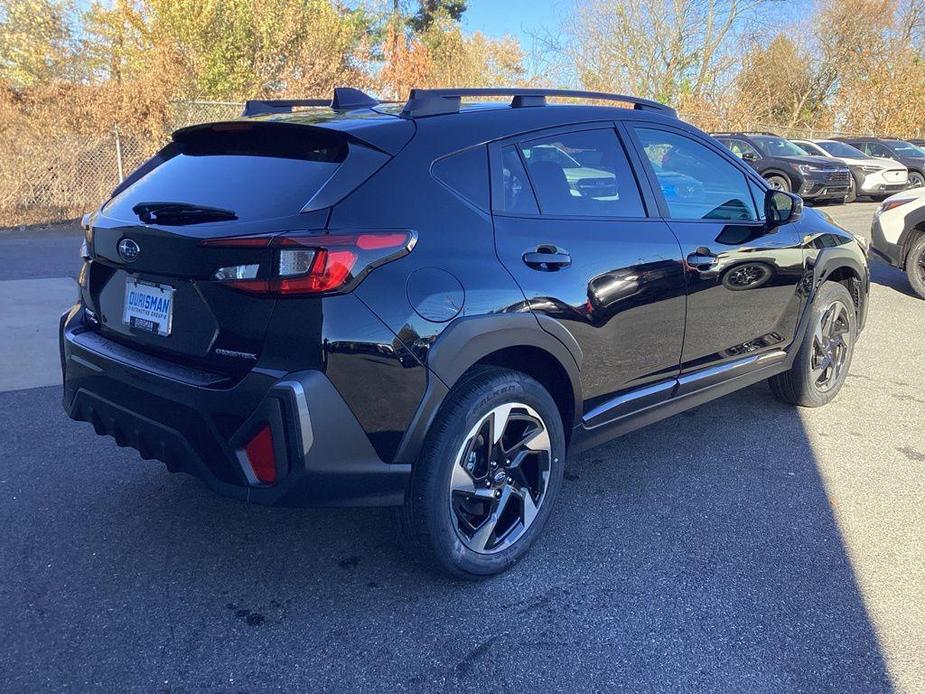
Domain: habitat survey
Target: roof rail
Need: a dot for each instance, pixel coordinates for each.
(344, 99)
(435, 102)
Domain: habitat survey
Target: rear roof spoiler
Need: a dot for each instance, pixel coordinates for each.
(344, 99)
(436, 102)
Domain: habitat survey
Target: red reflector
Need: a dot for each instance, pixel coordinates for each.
(260, 455)
(237, 242)
(369, 242)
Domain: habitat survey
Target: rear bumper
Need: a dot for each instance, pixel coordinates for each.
(323, 456)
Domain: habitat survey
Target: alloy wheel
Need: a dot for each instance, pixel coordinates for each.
(500, 478)
(830, 346)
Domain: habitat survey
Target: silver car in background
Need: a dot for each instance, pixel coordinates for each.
(871, 176)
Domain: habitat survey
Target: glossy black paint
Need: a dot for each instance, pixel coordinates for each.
(630, 329)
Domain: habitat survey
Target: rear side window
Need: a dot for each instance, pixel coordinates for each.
(518, 197)
(466, 173)
(696, 182)
(583, 173)
(253, 172)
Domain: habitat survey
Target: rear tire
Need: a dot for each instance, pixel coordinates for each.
(488, 475)
(778, 183)
(915, 266)
(916, 179)
(824, 357)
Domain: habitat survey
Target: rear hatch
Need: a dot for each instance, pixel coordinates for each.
(158, 282)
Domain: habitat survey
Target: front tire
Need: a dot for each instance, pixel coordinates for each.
(852, 190)
(488, 476)
(915, 266)
(824, 357)
(778, 183)
(916, 179)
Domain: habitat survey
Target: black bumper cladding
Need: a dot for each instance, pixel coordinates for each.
(323, 457)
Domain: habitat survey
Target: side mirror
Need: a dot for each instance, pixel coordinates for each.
(782, 208)
(749, 156)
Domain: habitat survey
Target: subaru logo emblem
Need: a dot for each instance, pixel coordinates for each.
(128, 250)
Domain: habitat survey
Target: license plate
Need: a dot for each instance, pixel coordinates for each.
(148, 307)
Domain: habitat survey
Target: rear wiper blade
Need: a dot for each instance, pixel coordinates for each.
(180, 213)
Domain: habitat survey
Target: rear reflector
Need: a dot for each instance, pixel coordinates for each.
(259, 453)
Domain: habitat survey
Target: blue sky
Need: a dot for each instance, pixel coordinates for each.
(523, 18)
(519, 18)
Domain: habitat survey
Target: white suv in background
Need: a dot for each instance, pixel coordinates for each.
(898, 235)
(869, 175)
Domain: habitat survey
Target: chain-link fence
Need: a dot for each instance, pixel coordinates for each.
(61, 177)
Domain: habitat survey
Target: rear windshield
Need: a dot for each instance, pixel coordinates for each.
(250, 173)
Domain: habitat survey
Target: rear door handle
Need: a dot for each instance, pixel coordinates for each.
(547, 257)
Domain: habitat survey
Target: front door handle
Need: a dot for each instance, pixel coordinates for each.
(547, 257)
(702, 259)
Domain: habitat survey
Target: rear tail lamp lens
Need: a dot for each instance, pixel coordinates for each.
(259, 452)
(315, 263)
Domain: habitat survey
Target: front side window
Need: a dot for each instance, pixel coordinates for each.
(583, 173)
(741, 148)
(696, 182)
(875, 149)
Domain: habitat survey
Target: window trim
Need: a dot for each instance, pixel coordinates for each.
(649, 203)
(710, 143)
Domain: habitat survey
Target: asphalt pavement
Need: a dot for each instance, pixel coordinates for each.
(742, 546)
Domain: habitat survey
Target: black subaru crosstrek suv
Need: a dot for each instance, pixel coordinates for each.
(787, 167)
(427, 306)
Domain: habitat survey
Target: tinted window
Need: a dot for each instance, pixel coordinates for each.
(255, 174)
(466, 173)
(518, 197)
(697, 183)
(740, 148)
(777, 146)
(812, 148)
(876, 149)
(905, 149)
(840, 149)
(584, 173)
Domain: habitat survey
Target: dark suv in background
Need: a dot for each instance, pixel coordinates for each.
(428, 305)
(787, 167)
(906, 153)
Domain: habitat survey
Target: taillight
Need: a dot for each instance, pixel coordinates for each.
(312, 263)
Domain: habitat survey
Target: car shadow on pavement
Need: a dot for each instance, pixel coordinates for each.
(698, 554)
(886, 275)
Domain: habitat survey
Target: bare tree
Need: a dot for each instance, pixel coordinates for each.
(669, 50)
